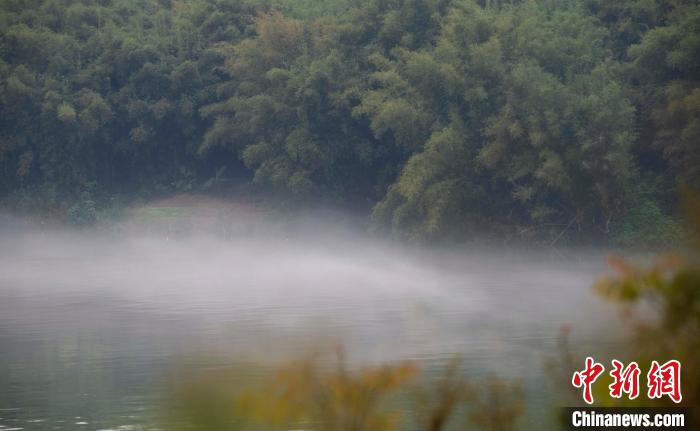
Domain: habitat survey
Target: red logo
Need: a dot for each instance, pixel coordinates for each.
(586, 377)
(661, 380)
(625, 380)
(665, 380)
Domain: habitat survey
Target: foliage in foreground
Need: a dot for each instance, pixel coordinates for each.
(662, 301)
(305, 394)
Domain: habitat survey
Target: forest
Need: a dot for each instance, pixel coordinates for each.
(434, 119)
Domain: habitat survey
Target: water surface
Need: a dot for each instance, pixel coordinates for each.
(93, 324)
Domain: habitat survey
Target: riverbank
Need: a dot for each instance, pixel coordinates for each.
(242, 212)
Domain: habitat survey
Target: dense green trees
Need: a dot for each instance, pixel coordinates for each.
(105, 94)
(447, 117)
(537, 125)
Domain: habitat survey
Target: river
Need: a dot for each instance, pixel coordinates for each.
(93, 324)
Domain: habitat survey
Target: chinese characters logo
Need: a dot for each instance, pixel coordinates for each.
(662, 379)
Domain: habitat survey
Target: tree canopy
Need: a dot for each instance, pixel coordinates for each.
(439, 118)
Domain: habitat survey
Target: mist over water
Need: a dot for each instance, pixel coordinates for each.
(93, 323)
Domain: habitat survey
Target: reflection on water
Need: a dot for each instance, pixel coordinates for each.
(91, 326)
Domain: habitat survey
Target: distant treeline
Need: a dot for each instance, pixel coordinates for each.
(443, 118)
